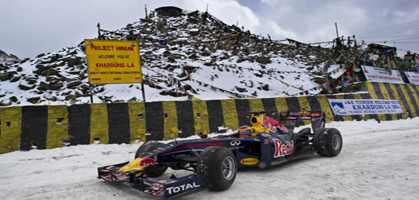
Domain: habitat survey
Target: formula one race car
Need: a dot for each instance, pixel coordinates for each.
(214, 161)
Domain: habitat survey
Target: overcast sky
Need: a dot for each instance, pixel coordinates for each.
(31, 27)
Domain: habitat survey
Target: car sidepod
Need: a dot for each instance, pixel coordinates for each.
(266, 149)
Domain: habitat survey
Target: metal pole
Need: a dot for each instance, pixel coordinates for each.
(91, 93)
(146, 15)
(142, 88)
(337, 33)
(98, 30)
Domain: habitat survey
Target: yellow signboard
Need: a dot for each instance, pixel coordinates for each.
(111, 61)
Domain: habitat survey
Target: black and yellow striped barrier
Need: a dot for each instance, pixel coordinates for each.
(45, 127)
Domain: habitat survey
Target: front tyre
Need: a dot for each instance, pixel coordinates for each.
(328, 142)
(218, 166)
(151, 170)
(146, 148)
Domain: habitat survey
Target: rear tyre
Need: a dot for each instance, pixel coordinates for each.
(151, 170)
(328, 142)
(218, 166)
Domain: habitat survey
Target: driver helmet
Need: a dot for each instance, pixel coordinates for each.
(245, 131)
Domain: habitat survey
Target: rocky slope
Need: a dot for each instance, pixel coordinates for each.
(190, 55)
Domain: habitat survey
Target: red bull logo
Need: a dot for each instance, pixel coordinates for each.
(272, 124)
(283, 149)
(147, 161)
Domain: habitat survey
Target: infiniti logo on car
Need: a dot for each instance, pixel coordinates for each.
(235, 143)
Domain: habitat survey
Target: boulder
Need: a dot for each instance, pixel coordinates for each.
(265, 87)
(13, 99)
(15, 79)
(42, 69)
(235, 52)
(190, 69)
(73, 84)
(206, 53)
(166, 53)
(70, 97)
(26, 87)
(263, 60)
(239, 89)
(56, 86)
(71, 61)
(50, 97)
(319, 80)
(43, 86)
(171, 59)
(2, 103)
(32, 80)
(193, 57)
(33, 100)
(5, 76)
(50, 72)
(66, 93)
(79, 94)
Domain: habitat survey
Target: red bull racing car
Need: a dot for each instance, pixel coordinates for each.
(213, 162)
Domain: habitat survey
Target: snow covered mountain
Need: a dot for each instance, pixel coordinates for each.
(184, 55)
(6, 58)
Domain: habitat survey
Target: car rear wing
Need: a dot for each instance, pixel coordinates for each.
(292, 119)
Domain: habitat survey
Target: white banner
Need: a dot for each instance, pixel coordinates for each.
(375, 74)
(413, 77)
(364, 106)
